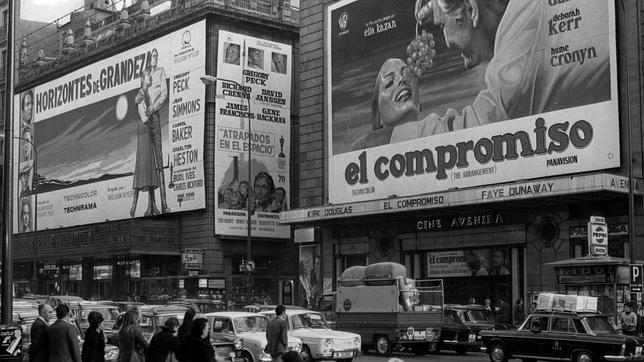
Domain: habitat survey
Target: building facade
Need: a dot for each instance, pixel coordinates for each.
(422, 147)
(127, 168)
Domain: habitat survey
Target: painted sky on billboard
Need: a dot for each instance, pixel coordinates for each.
(263, 68)
(414, 107)
(120, 138)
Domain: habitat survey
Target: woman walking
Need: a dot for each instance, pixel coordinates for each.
(132, 344)
(165, 344)
(200, 349)
(94, 345)
(184, 335)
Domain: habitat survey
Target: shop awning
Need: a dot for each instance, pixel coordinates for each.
(516, 191)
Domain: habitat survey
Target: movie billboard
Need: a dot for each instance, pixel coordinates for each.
(121, 138)
(469, 262)
(254, 90)
(424, 96)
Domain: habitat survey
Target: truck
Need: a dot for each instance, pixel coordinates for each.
(388, 310)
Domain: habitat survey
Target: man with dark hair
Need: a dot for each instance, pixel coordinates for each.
(39, 348)
(264, 188)
(517, 37)
(63, 338)
(628, 320)
(276, 334)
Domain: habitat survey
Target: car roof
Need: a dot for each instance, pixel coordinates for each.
(233, 314)
(465, 306)
(291, 311)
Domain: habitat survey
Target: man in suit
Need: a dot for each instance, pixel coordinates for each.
(276, 334)
(63, 338)
(39, 348)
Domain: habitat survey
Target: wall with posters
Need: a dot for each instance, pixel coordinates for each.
(406, 114)
(118, 139)
(262, 69)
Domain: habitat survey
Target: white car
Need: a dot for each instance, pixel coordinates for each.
(318, 340)
(251, 328)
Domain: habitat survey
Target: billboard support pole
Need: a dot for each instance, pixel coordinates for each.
(7, 199)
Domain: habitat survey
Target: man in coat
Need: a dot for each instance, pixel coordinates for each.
(63, 338)
(39, 348)
(276, 334)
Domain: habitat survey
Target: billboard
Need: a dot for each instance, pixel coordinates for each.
(423, 96)
(118, 139)
(469, 262)
(255, 85)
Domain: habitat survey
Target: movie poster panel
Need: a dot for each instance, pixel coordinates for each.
(311, 284)
(261, 70)
(424, 96)
(470, 262)
(118, 139)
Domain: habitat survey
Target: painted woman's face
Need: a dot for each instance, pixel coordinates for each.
(398, 94)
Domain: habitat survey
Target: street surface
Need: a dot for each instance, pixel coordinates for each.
(442, 356)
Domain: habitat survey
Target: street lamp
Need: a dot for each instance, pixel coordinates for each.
(249, 265)
(35, 208)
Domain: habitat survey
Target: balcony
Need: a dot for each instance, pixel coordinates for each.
(89, 32)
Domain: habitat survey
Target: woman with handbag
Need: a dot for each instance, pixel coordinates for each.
(132, 344)
(200, 348)
(94, 345)
(165, 344)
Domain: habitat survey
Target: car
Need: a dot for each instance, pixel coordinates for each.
(562, 336)
(251, 328)
(454, 334)
(200, 305)
(258, 308)
(326, 306)
(109, 313)
(477, 318)
(318, 340)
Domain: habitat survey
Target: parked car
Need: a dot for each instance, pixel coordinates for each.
(258, 308)
(477, 318)
(326, 306)
(318, 340)
(251, 327)
(563, 336)
(200, 305)
(109, 313)
(455, 334)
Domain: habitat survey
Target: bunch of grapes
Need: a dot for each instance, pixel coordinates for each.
(420, 53)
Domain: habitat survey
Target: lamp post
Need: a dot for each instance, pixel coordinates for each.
(249, 265)
(35, 208)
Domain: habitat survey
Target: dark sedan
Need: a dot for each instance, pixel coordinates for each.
(477, 318)
(562, 336)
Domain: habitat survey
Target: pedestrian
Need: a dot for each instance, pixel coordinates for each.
(200, 348)
(165, 344)
(504, 312)
(132, 344)
(184, 335)
(640, 319)
(94, 344)
(276, 337)
(533, 307)
(63, 338)
(488, 304)
(519, 312)
(39, 348)
(628, 320)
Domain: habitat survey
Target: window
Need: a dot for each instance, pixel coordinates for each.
(563, 324)
(536, 322)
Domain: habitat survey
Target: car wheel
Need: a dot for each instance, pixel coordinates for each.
(306, 354)
(420, 349)
(460, 350)
(383, 346)
(246, 356)
(497, 353)
(584, 356)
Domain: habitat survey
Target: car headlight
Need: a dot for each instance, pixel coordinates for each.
(328, 343)
(356, 341)
(111, 354)
(238, 345)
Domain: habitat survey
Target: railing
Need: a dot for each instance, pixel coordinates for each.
(51, 46)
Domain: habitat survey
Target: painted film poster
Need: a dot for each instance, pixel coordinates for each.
(470, 262)
(118, 139)
(421, 98)
(260, 69)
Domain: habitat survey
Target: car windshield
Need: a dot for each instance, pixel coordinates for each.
(250, 324)
(481, 315)
(308, 320)
(164, 317)
(599, 325)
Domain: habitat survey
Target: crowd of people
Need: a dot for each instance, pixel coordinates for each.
(188, 341)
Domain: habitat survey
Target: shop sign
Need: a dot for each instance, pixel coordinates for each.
(459, 222)
(598, 236)
(203, 283)
(10, 342)
(193, 273)
(76, 273)
(102, 272)
(192, 259)
(217, 283)
(182, 284)
(637, 271)
(613, 230)
(599, 274)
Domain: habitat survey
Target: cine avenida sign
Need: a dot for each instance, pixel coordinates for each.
(412, 108)
(117, 139)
